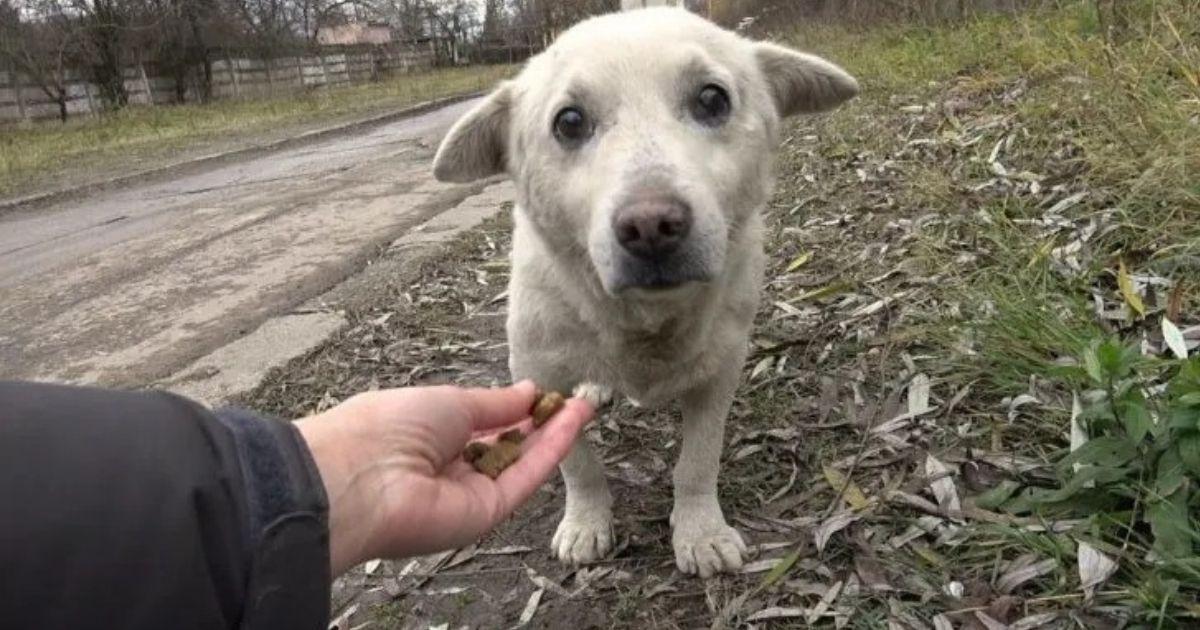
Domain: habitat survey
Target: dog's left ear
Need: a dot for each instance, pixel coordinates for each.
(803, 83)
(475, 146)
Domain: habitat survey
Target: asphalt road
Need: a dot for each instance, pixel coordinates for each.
(126, 286)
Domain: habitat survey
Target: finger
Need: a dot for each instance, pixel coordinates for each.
(546, 448)
(490, 435)
(493, 408)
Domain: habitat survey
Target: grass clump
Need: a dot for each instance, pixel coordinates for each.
(1020, 194)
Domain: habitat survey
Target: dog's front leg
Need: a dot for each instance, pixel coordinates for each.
(585, 533)
(703, 542)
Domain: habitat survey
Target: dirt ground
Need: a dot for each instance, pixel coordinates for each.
(446, 325)
(940, 251)
(818, 388)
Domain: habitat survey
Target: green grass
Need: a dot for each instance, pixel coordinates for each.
(1114, 117)
(1124, 113)
(36, 152)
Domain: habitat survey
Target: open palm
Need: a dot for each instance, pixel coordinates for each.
(397, 483)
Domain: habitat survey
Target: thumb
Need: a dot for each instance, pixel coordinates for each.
(543, 451)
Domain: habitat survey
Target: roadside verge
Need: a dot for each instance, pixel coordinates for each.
(174, 169)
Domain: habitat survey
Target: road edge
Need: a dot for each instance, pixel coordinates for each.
(33, 201)
(239, 366)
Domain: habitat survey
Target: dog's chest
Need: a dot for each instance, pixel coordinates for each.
(653, 368)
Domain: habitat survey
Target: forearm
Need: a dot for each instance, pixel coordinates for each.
(146, 510)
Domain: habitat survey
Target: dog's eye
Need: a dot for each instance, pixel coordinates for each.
(711, 105)
(571, 126)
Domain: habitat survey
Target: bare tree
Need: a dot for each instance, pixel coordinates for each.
(103, 29)
(178, 35)
(40, 50)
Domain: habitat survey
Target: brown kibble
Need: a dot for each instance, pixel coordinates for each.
(496, 458)
(545, 406)
(474, 451)
(492, 459)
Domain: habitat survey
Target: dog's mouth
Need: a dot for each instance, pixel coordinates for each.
(657, 278)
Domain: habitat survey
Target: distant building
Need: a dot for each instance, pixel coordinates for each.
(354, 33)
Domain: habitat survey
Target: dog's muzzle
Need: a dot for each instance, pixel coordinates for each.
(655, 249)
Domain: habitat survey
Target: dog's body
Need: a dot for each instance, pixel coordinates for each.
(640, 143)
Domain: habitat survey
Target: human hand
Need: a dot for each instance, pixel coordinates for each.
(392, 466)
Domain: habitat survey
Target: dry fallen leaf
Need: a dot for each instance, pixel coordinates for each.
(1175, 300)
(1128, 291)
(545, 584)
(871, 572)
(342, 621)
(760, 566)
(761, 367)
(1021, 571)
(531, 607)
(505, 551)
(988, 622)
(1094, 567)
(1066, 203)
(918, 395)
(798, 262)
(1016, 403)
(822, 606)
(831, 526)
(1033, 621)
(776, 612)
(1173, 339)
(942, 486)
(852, 494)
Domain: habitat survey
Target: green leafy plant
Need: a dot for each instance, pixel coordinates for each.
(1137, 471)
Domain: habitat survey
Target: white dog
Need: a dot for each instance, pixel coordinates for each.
(640, 144)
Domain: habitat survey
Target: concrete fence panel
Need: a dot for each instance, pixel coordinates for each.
(233, 76)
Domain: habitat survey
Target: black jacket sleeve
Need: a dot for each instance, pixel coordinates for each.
(146, 510)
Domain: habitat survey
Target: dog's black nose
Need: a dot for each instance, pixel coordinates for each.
(652, 228)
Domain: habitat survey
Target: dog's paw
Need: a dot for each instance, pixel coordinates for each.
(705, 545)
(583, 536)
(597, 395)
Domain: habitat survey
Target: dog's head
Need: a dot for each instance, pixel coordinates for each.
(642, 140)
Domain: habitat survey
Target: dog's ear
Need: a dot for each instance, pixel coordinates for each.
(475, 146)
(803, 83)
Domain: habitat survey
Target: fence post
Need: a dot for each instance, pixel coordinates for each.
(87, 90)
(15, 86)
(324, 70)
(146, 84)
(270, 80)
(233, 75)
(299, 70)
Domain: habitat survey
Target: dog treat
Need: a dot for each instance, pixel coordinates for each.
(474, 451)
(545, 406)
(492, 459)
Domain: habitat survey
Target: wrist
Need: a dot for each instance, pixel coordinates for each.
(351, 515)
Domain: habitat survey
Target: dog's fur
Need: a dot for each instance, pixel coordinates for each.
(582, 314)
